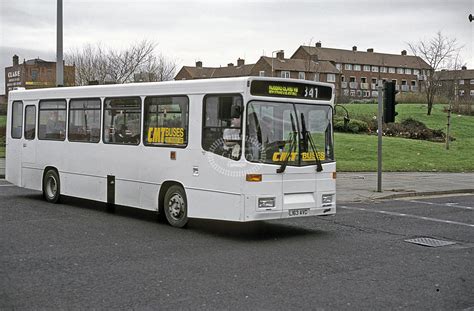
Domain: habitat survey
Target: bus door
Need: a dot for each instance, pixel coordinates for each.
(28, 152)
(14, 145)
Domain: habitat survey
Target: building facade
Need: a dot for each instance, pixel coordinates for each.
(35, 73)
(457, 84)
(278, 66)
(360, 70)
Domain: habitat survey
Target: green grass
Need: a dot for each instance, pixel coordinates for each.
(358, 152)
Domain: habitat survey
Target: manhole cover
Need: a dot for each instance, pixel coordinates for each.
(430, 242)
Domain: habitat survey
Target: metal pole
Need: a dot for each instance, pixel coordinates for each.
(379, 134)
(59, 45)
(448, 126)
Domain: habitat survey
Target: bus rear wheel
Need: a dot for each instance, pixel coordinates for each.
(176, 206)
(51, 186)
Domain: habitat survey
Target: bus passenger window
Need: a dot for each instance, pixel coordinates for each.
(222, 126)
(166, 121)
(84, 120)
(17, 119)
(30, 122)
(52, 120)
(122, 120)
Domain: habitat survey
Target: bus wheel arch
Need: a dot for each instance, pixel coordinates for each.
(51, 184)
(173, 206)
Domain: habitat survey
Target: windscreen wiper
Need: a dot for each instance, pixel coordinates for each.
(293, 139)
(307, 137)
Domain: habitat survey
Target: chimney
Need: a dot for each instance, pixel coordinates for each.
(240, 62)
(354, 48)
(230, 65)
(404, 52)
(370, 50)
(318, 44)
(281, 55)
(199, 64)
(15, 60)
(463, 68)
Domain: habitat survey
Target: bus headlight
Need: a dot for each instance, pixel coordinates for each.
(266, 202)
(327, 199)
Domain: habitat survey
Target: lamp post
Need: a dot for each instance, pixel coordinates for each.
(277, 51)
(59, 45)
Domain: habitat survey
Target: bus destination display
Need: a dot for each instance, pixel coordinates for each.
(290, 90)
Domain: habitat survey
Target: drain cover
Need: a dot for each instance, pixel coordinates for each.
(430, 242)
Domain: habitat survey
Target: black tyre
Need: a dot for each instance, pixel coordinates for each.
(51, 186)
(175, 206)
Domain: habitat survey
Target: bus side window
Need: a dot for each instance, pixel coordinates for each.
(17, 119)
(84, 120)
(166, 121)
(30, 122)
(52, 120)
(122, 120)
(222, 128)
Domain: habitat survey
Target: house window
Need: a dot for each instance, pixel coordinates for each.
(301, 75)
(34, 74)
(353, 92)
(394, 81)
(261, 73)
(416, 72)
(356, 67)
(408, 71)
(383, 69)
(366, 68)
(343, 79)
(471, 92)
(363, 80)
(461, 92)
(285, 74)
(352, 79)
(400, 70)
(461, 82)
(375, 69)
(316, 77)
(339, 66)
(471, 82)
(331, 77)
(391, 70)
(348, 66)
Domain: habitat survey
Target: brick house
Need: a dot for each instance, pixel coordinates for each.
(278, 66)
(458, 83)
(35, 73)
(360, 70)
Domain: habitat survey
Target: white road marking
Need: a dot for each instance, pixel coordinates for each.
(444, 205)
(407, 215)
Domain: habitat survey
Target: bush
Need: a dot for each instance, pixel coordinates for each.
(353, 126)
(414, 129)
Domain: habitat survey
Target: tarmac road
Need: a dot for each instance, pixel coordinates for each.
(74, 255)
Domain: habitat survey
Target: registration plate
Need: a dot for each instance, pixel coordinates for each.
(298, 212)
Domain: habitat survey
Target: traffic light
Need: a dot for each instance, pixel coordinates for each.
(389, 103)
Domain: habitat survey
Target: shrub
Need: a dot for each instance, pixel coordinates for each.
(414, 129)
(353, 126)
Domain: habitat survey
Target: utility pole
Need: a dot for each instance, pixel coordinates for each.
(379, 134)
(59, 45)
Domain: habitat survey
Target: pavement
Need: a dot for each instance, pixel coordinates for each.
(362, 186)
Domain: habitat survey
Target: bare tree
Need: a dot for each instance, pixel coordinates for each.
(438, 52)
(94, 63)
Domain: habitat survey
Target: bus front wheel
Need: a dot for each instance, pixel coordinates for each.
(51, 186)
(176, 206)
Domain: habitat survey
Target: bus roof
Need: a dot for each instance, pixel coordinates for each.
(198, 86)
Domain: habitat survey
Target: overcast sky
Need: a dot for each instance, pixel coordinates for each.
(220, 31)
